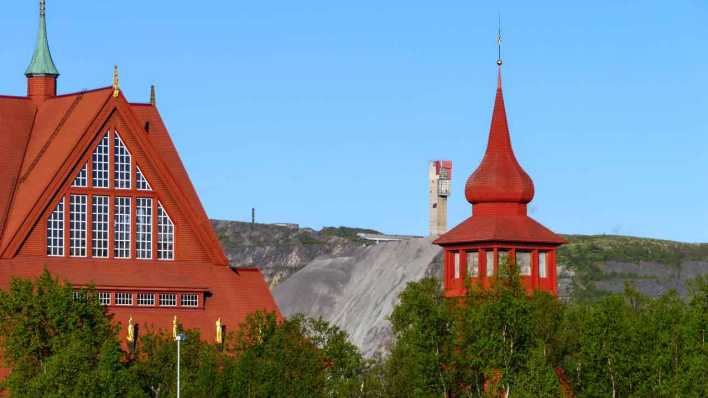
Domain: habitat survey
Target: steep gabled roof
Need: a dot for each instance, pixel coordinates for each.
(61, 132)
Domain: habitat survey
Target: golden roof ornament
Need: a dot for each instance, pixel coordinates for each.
(219, 332)
(174, 328)
(116, 82)
(131, 330)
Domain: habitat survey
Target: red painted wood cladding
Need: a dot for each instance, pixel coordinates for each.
(499, 191)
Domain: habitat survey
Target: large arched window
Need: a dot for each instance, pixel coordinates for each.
(110, 210)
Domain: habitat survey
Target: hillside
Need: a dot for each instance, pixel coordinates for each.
(335, 275)
(281, 250)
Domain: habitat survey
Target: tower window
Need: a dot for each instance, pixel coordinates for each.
(55, 231)
(473, 263)
(542, 264)
(100, 163)
(77, 225)
(165, 235)
(490, 263)
(122, 159)
(456, 259)
(143, 239)
(122, 228)
(99, 231)
(503, 258)
(523, 261)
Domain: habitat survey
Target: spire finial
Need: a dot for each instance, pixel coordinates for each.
(499, 42)
(42, 63)
(116, 82)
(153, 96)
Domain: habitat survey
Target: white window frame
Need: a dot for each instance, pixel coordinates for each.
(146, 299)
(523, 262)
(124, 299)
(473, 263)
(165, 235)
(456, 264)
(141, 182)
(490, 262)
(122, 163)
(190, 300)
(55, 231)
(81, 180)
(78, 225)
(104, 298)
(143, 228)
(100, 225)
(168, 299)
(543, 265)
(122, 227)
(100, 162)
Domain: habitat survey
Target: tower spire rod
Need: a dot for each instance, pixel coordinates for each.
(499, 42)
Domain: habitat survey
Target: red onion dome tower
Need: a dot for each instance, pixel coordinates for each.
(499, 228)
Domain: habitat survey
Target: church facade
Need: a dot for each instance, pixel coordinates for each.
(93, 190)
(499, 231)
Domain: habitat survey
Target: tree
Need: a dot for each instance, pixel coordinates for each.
(59, 345)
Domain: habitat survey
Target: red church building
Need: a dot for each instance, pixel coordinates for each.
(93, 190)
(499, 228)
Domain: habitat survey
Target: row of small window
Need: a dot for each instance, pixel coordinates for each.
(145, 299)
(523, 262)
(99, 230)
(101, 166)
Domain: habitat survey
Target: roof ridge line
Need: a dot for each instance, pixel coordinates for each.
(41, 152)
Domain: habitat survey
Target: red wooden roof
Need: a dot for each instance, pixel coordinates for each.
(499, 191)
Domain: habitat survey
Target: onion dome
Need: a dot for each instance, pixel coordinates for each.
(499, 178)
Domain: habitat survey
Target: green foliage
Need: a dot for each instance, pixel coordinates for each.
(58, 346)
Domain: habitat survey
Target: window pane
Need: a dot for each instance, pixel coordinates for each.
(473, 263)
(121, 159)
(124, 298)
(146, 299)
(168, 300)
(100, 164)
(55, 231)
(121, 222)
(490, 263)
(165, 235)
(104, 298)
(189, 300)
(141, 181)
(456, 258)
(99, 233)
(523, 261)
(77, 225)
(144, 228)
(542, 265)
(81, 179)
(503, 258)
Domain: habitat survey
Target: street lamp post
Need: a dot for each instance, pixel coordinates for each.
(180, 338)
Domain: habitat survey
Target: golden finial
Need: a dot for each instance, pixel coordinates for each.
(116, 82)
(153, 96)
(174, 328)
(219, 332)
(131, 330)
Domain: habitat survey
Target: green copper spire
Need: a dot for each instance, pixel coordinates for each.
(42, 63)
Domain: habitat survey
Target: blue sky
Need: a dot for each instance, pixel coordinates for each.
(321, 113)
